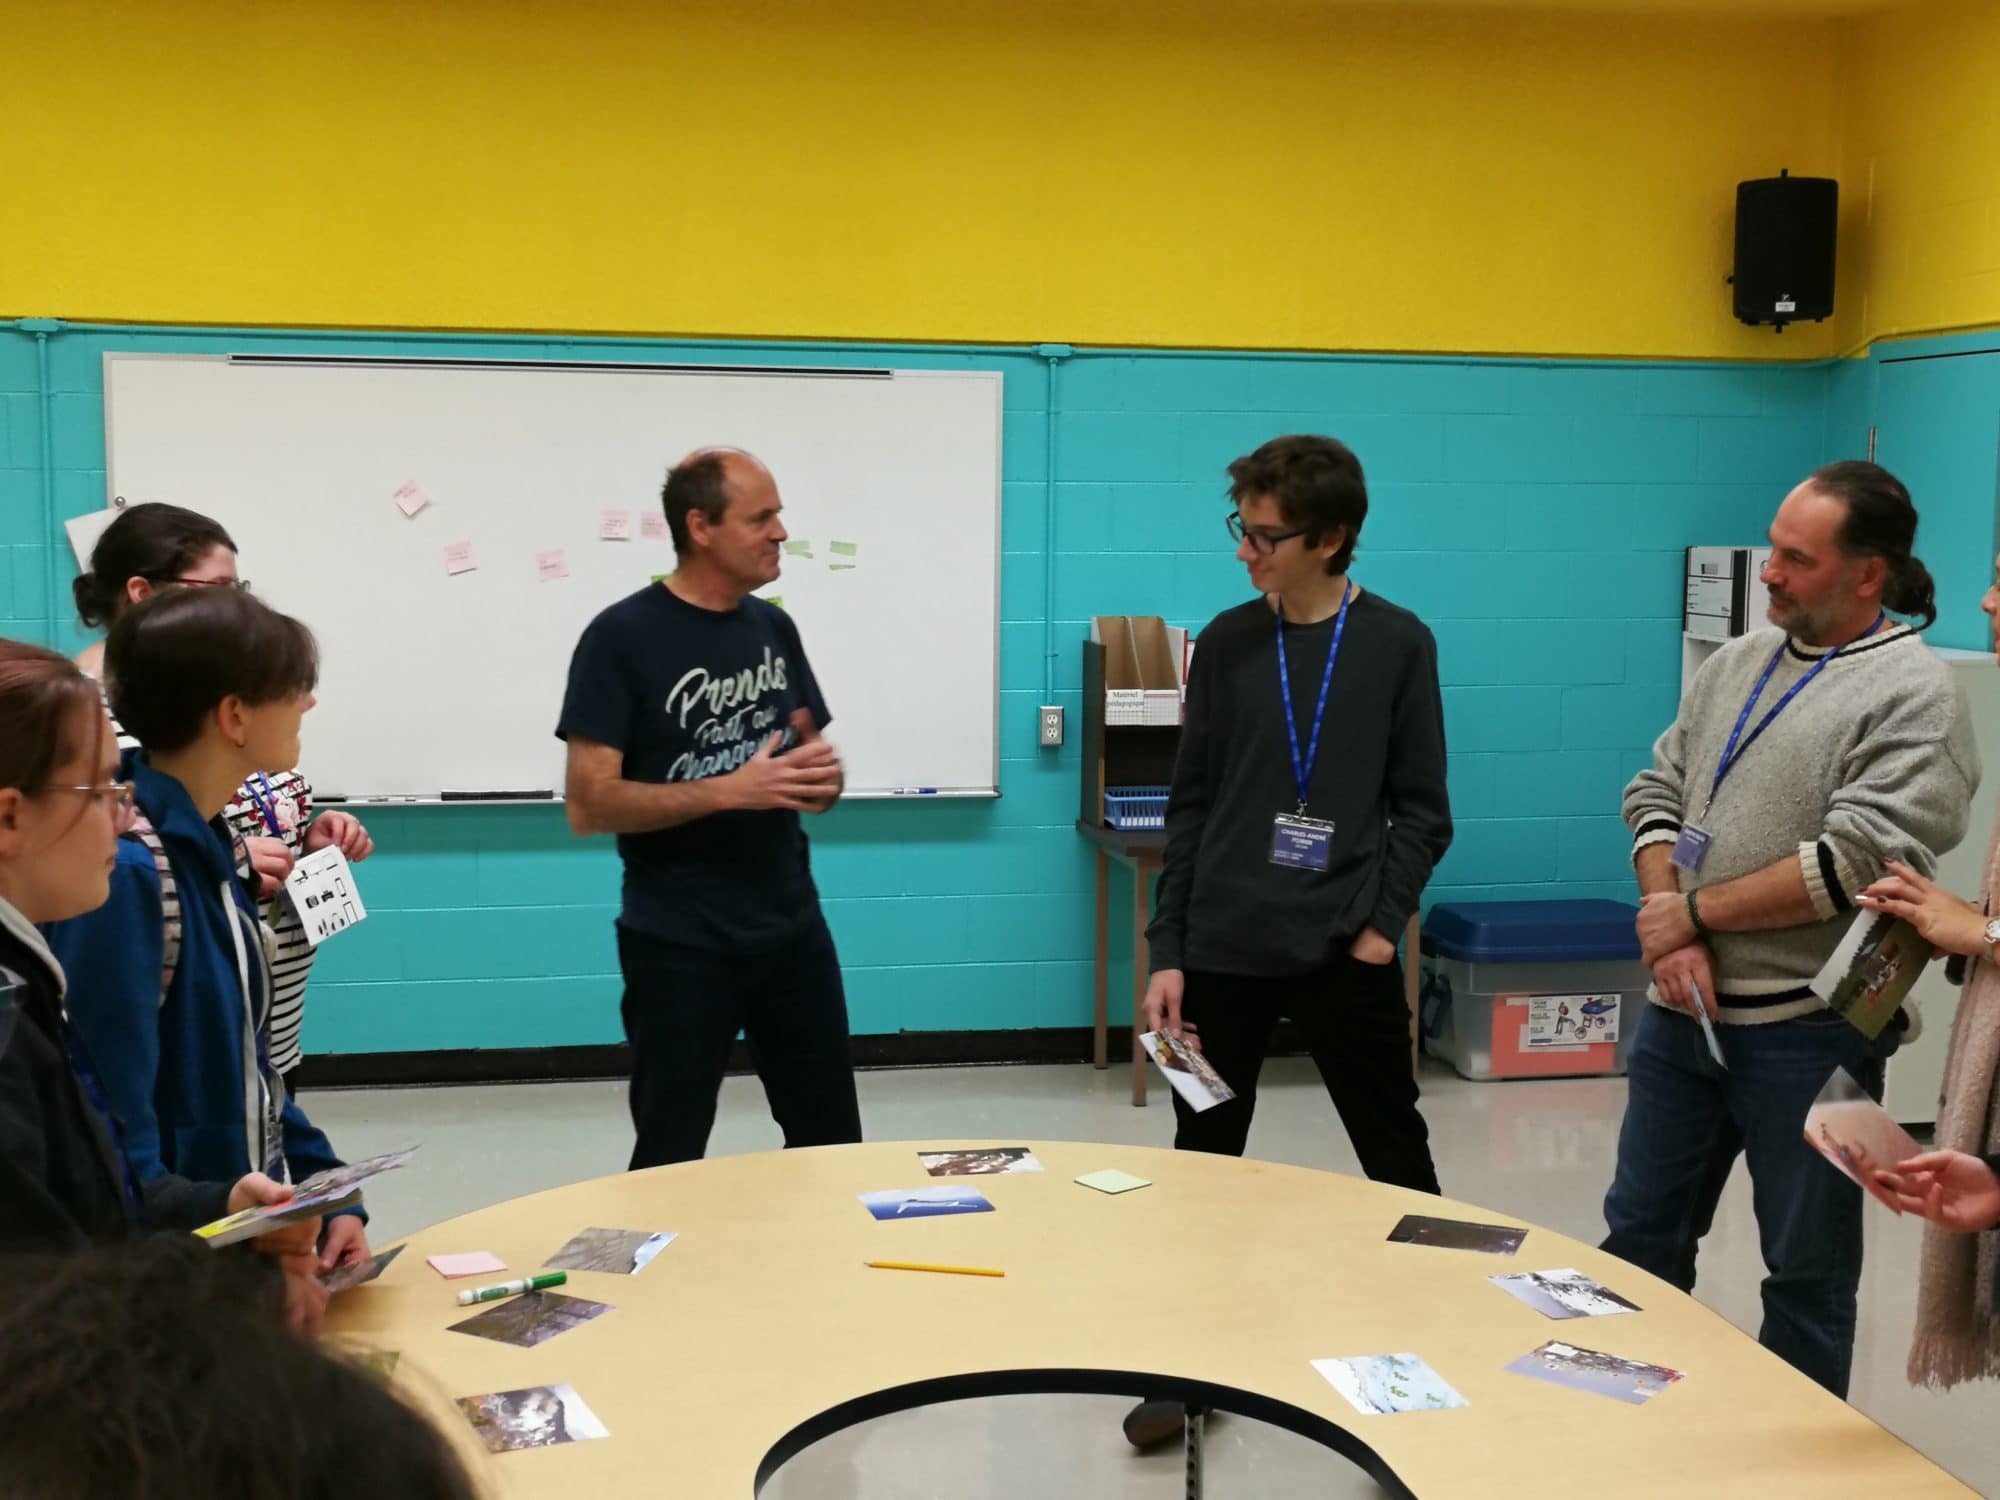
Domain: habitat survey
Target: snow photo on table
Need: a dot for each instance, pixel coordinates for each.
(1380, 1384)
(1564, 1294)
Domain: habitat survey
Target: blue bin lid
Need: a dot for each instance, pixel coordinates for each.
(1531, 931)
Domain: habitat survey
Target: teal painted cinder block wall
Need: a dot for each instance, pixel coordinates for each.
(1532, 512)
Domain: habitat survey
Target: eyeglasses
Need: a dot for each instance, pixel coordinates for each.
(1263, 542)
(241, 585)
(118, 793)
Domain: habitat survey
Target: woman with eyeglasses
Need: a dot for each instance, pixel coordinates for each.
(154, 547)
(64, 1185)
(213, 685)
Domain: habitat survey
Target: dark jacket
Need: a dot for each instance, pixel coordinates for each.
(63, 1185)
(187, 1075)
(1379, 778)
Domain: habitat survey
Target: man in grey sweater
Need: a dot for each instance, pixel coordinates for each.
(1802, 761)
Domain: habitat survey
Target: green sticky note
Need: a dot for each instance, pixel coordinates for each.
(800, 549)
(777, 599)
(843, 549)
(1111, 1180)
(659, 576)
(840, 567)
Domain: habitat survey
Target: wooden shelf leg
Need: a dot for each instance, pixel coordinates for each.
(1100, 1055)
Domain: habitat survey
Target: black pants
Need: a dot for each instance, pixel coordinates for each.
(1356, 1023)
(683, 1008)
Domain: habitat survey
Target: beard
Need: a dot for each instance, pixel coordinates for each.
(1796, 620)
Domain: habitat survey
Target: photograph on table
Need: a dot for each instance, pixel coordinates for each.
(531, 1318)
(1380, 1384)
(618, 1252)
(1846, 1124)
(1629, 1380)
(1457, 1234)
(539, 1416)
(924, 1203)
(988, 1162)
(1566, 1293)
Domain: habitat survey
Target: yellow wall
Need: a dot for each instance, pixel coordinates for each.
(1919, 109)
(1180, 172)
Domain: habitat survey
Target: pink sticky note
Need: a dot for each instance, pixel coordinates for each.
(652, 526)
(551, 565)
(458, 557)
(614, 525)
(410, 497)
(472, 1263)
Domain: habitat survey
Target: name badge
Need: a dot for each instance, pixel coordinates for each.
(1302, 843)
(1691, 848)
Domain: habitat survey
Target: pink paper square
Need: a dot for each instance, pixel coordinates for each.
(551, 565)
(472, 1263)
(652, 526)
(410, 497)
(614, 525)
(458, 557)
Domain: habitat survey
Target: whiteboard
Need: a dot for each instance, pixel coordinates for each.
(436, 685)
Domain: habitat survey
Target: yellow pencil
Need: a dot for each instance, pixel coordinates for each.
(910, 1265)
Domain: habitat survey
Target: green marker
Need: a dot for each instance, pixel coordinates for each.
(513, 1288)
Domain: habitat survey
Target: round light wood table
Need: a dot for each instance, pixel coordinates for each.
(760, 1329)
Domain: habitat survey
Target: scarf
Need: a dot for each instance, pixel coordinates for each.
(1958, 1322)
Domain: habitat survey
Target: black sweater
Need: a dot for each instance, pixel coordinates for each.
(1379, 778)
(62, 1183)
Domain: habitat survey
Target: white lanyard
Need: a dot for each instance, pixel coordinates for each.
(256, 1102)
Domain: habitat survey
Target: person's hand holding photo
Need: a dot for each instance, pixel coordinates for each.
(1949, 1188)
(1949, 923)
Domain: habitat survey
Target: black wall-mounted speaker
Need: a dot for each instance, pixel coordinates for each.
(1785, 231)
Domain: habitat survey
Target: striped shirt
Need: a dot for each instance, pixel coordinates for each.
(289, 800)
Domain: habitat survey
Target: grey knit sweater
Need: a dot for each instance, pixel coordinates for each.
(1873, 761)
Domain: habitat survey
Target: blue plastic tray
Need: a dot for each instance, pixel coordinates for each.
(1531, 931)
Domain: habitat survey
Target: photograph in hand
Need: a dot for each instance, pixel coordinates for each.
(1847, 1127)
(1193, 1077)
(1873, 970)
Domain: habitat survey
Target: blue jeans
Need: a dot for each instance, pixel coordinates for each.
(1686, 1120)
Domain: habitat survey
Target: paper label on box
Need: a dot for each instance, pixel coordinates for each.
(1561, 1022)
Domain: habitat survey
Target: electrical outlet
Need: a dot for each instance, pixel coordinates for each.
(1052, 728)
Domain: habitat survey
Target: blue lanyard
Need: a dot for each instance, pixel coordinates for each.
(1733, 751)
(1302, 765)
(265, 800)
(93, 1091)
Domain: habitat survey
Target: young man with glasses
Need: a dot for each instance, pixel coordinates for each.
(1308, 809)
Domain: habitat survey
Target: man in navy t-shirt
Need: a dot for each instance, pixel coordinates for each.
(693, 724)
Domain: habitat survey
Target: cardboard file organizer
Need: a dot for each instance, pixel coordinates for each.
(1134, 692)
